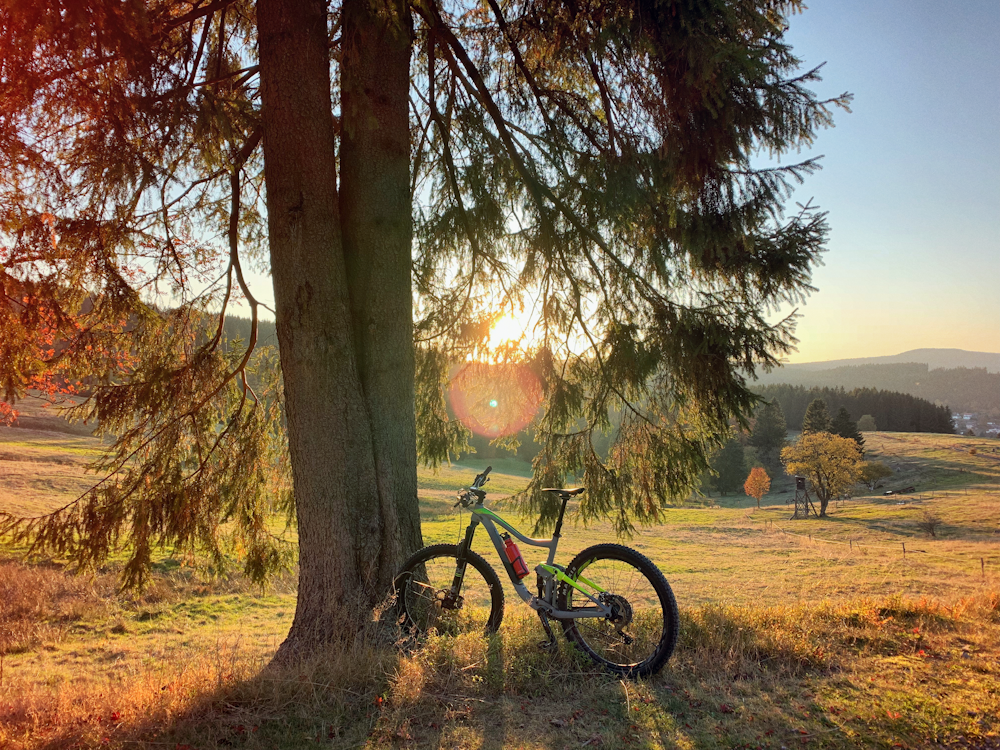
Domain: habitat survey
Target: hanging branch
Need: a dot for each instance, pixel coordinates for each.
(433, 17)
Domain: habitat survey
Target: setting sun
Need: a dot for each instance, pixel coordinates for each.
(513, 328)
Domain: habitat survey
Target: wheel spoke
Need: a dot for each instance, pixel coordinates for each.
(427, 602)
(640, 630)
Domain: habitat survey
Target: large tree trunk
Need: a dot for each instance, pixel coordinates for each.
(350, 538)
(375, 210)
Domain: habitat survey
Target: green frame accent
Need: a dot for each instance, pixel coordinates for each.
(560, 575)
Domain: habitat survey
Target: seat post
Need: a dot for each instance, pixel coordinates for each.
(562, 511)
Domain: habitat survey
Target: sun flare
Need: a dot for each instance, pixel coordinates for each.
(515, 327)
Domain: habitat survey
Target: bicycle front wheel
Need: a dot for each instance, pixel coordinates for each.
(639, 635)
(426, 600)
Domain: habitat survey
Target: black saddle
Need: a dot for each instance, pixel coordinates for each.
(568, 491)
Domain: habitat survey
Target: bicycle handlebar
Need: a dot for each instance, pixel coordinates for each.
(480, 479)
(464, 498)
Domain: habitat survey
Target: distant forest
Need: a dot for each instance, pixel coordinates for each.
(239, 328)
(892, 411)
(963, 389)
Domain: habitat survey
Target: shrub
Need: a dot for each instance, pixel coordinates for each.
(929, 524)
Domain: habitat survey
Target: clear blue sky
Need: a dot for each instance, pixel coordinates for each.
(911, 177)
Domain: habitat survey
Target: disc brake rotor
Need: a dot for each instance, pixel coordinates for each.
(620, 615)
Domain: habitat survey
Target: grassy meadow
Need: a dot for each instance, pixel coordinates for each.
(794, 633)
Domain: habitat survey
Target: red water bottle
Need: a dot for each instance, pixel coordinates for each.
(514, 555)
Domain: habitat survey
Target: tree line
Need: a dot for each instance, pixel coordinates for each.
(892, 411)
(830, 453)
(967, 389)
(237, 328)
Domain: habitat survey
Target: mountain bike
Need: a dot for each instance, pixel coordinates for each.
(612, 602)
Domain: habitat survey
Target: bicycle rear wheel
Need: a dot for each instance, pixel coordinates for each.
(640, 634)
(423, 590)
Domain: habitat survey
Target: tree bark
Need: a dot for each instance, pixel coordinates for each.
(376, 216)
(345, 470)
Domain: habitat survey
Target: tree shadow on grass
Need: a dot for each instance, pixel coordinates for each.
(740, 677)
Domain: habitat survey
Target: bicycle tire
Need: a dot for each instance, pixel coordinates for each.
(421, 595)
(644, 604)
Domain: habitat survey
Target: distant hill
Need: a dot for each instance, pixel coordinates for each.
(964, 381)
(933, 358)
(962, 389)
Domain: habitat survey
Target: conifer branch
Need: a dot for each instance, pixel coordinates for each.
(11, 522)
(205, 29)
(520, 64)
(198, 12)
(432, 16)
(605, 100)
(220, 53)
(444, 132)
(244, 73)
(419, 150)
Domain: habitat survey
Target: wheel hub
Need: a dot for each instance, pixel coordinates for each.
(448, 600)
(620, 614)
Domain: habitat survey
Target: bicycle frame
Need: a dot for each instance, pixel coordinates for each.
(548, 572)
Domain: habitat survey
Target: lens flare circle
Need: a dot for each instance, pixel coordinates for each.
(495, 400)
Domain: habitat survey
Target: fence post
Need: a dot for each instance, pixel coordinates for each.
(982, 566)
(904, 550)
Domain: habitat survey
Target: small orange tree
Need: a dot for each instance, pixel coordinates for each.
(757, 484)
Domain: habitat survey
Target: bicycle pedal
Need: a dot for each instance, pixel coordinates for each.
(548, 645)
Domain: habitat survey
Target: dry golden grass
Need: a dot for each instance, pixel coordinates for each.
(860, 673)
(40, 604)
(814, 633)
(41, 470)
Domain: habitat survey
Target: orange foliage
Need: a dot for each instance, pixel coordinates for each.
(757, 485)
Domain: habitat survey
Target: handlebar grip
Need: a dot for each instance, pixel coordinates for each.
(481, 478)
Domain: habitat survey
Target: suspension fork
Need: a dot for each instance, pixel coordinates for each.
(463, 547)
